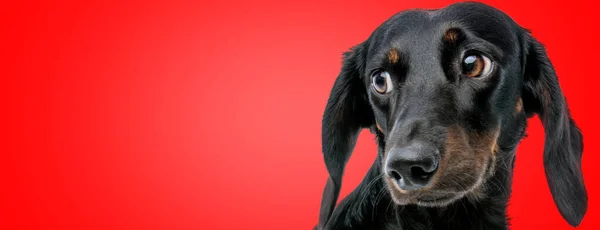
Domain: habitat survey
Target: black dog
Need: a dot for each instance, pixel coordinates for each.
(447, 93)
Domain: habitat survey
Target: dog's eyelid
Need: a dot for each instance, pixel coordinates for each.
(372, 72)
(484, 48)
(482, 53)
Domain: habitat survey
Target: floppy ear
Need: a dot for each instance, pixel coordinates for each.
(563, 143)
(346, 113)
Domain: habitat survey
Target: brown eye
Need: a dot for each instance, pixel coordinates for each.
(382, 82)
(476, 66)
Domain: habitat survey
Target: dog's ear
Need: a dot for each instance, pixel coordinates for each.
(563, 144)
(346, 114)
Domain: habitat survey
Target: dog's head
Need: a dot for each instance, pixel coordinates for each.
(448, 94)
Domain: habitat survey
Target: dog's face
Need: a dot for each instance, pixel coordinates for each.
(442, 86)
(448, 94)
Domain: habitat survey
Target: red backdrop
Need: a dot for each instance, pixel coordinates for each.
(206, 115)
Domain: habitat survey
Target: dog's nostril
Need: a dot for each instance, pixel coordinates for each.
(395, 175)
(412, 166)
(418, 172)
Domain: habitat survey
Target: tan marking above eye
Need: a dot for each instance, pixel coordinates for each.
(393, 56)
(451, 36)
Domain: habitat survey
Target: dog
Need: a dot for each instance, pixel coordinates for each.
(447, 94)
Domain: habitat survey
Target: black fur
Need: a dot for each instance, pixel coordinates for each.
(429, 90)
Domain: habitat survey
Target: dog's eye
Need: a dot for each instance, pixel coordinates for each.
(382, 82)
(476, 65)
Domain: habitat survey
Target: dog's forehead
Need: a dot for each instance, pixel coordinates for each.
(416, 30)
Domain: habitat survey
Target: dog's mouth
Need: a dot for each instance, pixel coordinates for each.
(435, 200)
(432, 198)
(426, 199)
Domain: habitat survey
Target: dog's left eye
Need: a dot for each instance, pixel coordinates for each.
(476, 65)
(382, 82)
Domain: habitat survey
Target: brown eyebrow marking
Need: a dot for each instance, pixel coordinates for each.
(393, 56)
(451, 35)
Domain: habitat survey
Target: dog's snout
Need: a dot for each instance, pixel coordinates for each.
(412, 166)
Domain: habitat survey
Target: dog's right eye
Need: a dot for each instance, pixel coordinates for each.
(382, 82)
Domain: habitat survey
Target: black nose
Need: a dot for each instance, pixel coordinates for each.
(412, 166)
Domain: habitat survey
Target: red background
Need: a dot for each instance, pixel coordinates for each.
(206, 115)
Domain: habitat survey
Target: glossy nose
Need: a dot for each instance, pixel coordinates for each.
(412, 166)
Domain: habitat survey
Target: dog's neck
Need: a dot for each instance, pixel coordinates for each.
(371, 207)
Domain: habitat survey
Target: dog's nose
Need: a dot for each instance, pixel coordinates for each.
(412, 166)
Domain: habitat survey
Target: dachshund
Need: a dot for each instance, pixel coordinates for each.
(447, 94)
